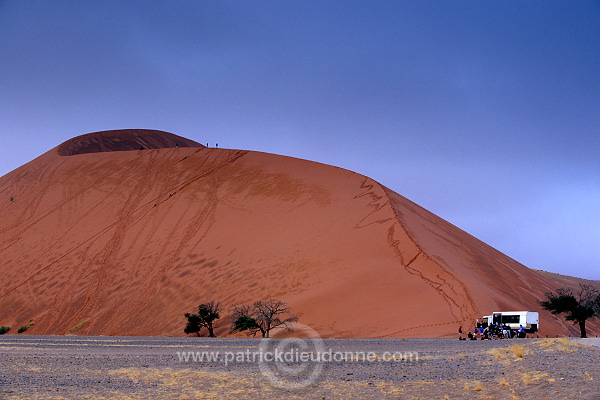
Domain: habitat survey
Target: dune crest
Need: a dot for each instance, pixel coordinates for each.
(123, 140)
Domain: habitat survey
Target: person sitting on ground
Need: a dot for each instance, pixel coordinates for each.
(491, 331)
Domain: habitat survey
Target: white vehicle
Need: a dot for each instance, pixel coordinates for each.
(530, 320)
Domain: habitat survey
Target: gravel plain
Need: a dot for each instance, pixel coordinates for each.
(85, 367)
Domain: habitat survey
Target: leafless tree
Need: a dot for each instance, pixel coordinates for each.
(262, 316)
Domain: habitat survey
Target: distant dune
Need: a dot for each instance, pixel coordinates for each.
(122, 232)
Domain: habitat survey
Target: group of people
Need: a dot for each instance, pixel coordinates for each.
(492, 331)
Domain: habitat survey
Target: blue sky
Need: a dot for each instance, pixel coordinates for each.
(486, 113)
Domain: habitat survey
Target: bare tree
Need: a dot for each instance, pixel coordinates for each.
(262, 316)
(577, 308)
(207, 313)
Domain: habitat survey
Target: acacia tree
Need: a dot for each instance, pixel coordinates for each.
(207, 313)
(262, 316)
(577, 308)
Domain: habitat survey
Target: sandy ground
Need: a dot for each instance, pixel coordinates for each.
(74, 367)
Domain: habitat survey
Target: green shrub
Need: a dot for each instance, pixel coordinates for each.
(4, 329)
(24, 328)
(78, 326)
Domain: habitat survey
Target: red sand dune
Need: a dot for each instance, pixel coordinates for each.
(125, 242)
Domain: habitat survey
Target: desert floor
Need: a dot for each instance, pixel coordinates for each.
(81, 367)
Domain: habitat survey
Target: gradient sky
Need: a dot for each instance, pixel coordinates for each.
(487, 113)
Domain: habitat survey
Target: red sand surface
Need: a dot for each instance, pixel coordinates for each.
(108, 242)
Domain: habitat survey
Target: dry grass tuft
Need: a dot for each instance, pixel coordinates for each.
(519, 351)
(559, 344)
(475, 386)
(531, 377)
(498, 353)
(504, 354)
(188, 383)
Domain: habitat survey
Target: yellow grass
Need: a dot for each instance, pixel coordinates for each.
(189, 383)
(498, 353)
(504, 354)
(559, 344)
(531, 377)
(475, 386)
(519, 351)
